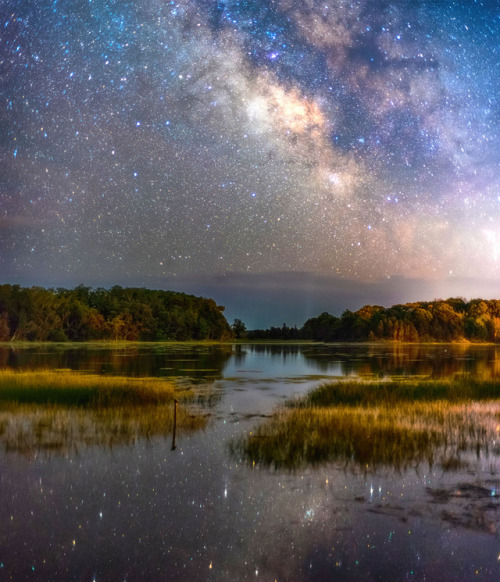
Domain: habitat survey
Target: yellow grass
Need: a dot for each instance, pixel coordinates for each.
(369, 432)
(63, 411)
(80, 389)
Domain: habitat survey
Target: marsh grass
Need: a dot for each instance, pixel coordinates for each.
(353, 392)
(30, 430)
(380, 424)
(64, 411)
(69, 388)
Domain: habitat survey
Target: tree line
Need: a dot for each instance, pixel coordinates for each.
(84, 313)
(442, 320)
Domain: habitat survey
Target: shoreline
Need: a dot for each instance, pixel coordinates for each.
(242, 341)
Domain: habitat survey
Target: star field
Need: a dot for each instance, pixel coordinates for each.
(142, 140)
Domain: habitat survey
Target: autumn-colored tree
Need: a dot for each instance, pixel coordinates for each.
(120, 313)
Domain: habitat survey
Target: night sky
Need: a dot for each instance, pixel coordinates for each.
(284, 157)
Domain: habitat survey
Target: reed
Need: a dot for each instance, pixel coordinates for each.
(379, 424)
(70, 388)
(63, 411)
(354, 392)
(32, 430)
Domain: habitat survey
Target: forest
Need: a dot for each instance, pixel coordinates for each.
(138, 314)
(448, 320)
(85, 314)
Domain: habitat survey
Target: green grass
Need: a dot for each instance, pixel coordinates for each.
(369, 425)
(61, 411)
(370, 393)
(69, 388)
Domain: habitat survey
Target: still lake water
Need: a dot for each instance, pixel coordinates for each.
(146, 512)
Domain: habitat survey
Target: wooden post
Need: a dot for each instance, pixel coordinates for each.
(175, 424)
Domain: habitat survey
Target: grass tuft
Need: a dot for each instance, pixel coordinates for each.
(389, 424)
(61, 411)
(83, 390)
(352, 392)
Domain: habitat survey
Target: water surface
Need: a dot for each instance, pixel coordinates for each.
(144, 511)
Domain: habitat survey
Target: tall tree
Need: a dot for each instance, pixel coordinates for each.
(238, 328)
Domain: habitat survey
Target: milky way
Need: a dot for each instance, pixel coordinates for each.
(149, 139)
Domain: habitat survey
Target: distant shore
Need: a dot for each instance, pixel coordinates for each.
(243, 341)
